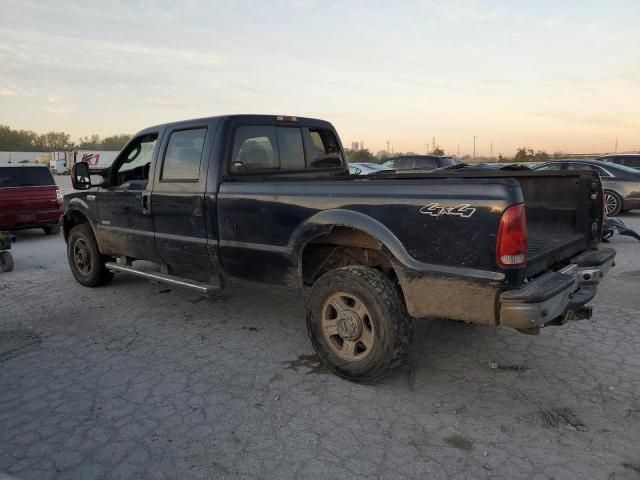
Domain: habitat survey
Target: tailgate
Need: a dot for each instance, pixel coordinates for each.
(564, 216)
(25, 205)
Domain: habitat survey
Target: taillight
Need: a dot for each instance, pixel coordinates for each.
(59, 196)
(511, 248)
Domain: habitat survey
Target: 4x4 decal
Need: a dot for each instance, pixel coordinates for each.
(463, 210)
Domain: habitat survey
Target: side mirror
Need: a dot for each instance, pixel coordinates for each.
(80, 176)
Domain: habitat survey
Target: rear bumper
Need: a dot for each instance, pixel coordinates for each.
(35, 219)
(556, 294)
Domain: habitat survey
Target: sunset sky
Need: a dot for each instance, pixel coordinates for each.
(552, 75)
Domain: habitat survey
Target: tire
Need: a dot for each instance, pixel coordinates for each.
(6, 261)
(612, 203)
(86, 262)
(51, 230)
(358, 323)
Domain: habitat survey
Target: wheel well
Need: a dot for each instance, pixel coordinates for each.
(341, 247)
(73, 218)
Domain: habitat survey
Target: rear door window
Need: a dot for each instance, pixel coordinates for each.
(633, 162)
(426, 163)
(184, 155)
(586, 166)
(25, 177)
(405, 163)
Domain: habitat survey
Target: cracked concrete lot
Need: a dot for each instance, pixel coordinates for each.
(138, 380)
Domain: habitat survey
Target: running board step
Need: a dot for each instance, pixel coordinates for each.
(203, 288)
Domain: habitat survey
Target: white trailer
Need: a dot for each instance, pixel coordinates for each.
(58, 163)
(97, 159)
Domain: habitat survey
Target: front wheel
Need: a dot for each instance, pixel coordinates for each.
(358, 323)
(86, 262)
(612, 203)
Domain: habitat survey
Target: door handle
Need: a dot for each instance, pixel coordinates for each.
(146, 203)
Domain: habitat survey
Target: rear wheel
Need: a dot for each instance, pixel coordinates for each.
(51, 229)
(86, 262)
(612, 203)
(6, 261)
(358, 323)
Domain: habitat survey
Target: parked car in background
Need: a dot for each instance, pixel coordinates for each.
(366, 168)
(29, 198)
(419, 162)
(621, 184)
(485, 166)
(627, 159)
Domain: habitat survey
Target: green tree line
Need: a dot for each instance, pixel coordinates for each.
(30, 141)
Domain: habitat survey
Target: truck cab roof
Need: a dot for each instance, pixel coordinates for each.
(261, 119)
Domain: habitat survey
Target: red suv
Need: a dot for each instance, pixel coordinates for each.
(29, 198)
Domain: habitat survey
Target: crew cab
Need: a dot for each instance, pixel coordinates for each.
(270, 199)
(29, 198)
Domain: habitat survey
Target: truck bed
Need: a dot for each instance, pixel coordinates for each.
(547, 248)
(559, 210)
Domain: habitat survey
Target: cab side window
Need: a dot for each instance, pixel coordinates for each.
(183, 157)
(135, 161)
(322, 148)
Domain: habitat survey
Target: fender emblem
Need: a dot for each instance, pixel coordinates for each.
(463, 210)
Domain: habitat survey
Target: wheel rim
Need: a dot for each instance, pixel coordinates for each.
(347, 326)
(82, 256)
(611, 203)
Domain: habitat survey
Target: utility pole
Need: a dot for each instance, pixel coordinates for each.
(491, 148)
(387, 146)
(458, 152)
(434, 144)
(616, 149)
(474, 146)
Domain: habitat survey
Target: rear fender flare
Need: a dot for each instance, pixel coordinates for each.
(324, 222)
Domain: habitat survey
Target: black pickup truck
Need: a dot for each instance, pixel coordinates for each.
(269, 199)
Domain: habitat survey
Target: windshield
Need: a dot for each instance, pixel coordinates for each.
(375, 166)
(25, 177)
(447, 161)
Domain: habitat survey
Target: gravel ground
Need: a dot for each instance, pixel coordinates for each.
(139, 380)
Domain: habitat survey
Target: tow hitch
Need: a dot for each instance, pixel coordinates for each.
(584, 312)
(581, 313)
